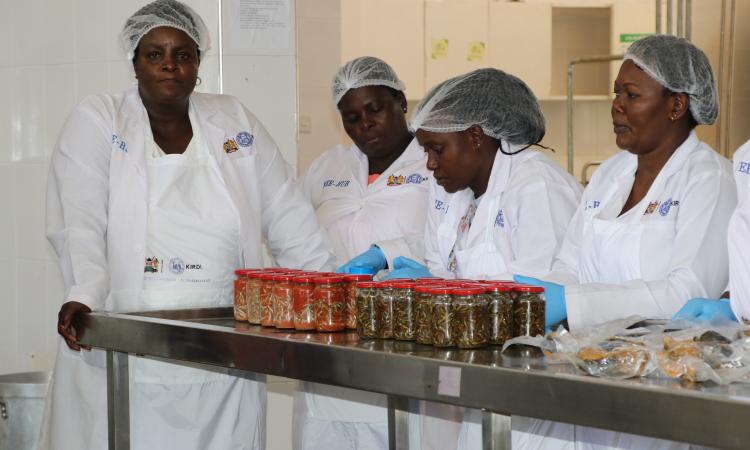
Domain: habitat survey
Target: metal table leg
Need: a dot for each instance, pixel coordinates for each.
(118, 400)
(398, 423)
(495, 431)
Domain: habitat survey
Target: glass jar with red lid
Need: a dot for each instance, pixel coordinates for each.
(404, 321)
(283, 302)
(384, 304)
(442, 316)
(329, 303)
(499, 312)
(469, 319)
(528, 311)
(367, 326)
(423, 313)
(350, 294)
(266, 298)
(240, 300)
(252, 296)
(304, 304)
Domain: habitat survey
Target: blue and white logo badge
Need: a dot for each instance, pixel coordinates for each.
(664, 208)
(119, 143)
(176, 266)
(441, 206)
(594, 204)
(743, 167)
(415, 178)
(500, 219)
(245, 139)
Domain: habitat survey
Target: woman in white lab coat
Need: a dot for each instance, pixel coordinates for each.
(496, 205)
(737, 306)
(650, 232)
(371, 198)
(193, 181)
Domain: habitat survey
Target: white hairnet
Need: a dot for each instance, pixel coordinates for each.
(500, 103)
(364, 71)
(681, 67)
(164, 13)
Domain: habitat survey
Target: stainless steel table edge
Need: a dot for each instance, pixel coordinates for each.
(629, 406)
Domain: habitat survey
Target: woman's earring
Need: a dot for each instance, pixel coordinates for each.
(404, 108)
(198, 81)
(673, 118)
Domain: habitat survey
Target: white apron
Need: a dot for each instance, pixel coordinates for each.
(193, 243)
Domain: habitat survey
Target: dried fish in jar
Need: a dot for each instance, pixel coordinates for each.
(384, 300)
(367, 326)
(252, 296)
(404, 322)
(283, 302)
(303, 298)
(240, 303)
(469, 320)
(350, 294)
(528, 311)
(499, 312)
(423, 314)
(266, 298)
(329, 303)
(442, 313)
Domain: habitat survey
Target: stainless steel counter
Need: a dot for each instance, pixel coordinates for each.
(501, 384)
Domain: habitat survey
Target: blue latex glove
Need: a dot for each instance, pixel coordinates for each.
(404, 267)
(705, 310)
(373, 259)
(556, 311)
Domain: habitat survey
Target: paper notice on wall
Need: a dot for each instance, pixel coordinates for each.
(475, 53)
(260, 24)
(439, 48)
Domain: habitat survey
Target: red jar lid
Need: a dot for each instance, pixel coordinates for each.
(497, 287)
(441, 290)
(305, 278)
(404, 284)
(268, 276)
(528, 288)
(357, 277)
(424, 288)
(284, 277)
(328, 279)
(367, 284)
(243, 272)
(468, 291)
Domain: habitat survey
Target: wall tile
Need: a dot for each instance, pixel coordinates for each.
(7, 204)
(91, 79)
(9, 319)
(58, 23)
(32, 308)
(7, 41)
(95, 37)
(30, 186)
(60, 99)
(27, 42)
(263, 84)
(27, 121)
(6, 114)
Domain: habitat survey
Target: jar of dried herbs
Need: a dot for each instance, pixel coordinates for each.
(469, 320)
(404, 320)
(528, 311)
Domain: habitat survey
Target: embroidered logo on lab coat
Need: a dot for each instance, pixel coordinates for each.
(743, 167)
(245, 139)
(334, 183)
(415, 178)
(230, 146)
(395, 180)
(651, 208)
(666, 205)
(153, 265)
(176, 266)
(119, 143)
(500, 219)
(592, 204)
(441, 205)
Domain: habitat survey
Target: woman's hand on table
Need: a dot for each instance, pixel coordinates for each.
(68, 316)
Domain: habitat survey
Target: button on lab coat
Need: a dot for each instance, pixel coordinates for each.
(738, 236)
(669, 248)
(517, 228)
(390, 213)
(97, 220)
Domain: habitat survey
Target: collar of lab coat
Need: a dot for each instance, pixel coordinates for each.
(411, 155)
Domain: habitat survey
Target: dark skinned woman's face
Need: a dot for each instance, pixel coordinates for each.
(452, 158)
(640, 111)
(166, 65)
(374, 119)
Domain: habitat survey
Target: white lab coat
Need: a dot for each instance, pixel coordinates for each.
(669, 248)
(518, 227)
(390, 213)
(739, 230)
(97, 208)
